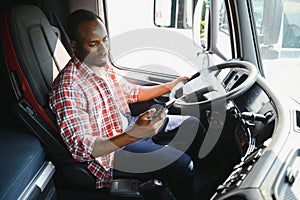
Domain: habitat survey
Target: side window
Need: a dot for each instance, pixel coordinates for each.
(160, 35)
(150, 35)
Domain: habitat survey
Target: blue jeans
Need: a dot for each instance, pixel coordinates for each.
(151, 158)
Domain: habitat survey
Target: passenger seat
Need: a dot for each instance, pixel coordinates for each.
(25, 174)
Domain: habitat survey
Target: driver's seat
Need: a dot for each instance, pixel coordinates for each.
(34, 56)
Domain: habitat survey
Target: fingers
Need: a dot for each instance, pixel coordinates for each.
(147, 114)
(161, 119)
(144, 118)
(183, 78)
(164, 113)
(157, 125)
(146, 126)
(147, 117)
(152, 111)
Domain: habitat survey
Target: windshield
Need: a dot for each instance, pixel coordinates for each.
(278, 30)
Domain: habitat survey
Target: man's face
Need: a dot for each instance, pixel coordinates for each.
(92, 44)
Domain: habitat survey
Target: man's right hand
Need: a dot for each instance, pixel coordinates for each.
(145, 126)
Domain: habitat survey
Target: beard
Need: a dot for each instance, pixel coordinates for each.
(99, 59)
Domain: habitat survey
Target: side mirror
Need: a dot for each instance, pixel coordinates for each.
(200, 24)
(174, 13)
(163, 15)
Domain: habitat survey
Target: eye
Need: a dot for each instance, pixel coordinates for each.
(93, 44)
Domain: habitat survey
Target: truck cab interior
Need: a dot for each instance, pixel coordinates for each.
(251, 148)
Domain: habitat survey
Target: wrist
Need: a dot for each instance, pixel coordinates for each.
(169, 86)
(130, 136)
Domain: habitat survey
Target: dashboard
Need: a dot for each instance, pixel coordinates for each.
(269, 122)
(255, 114)
(255, 106)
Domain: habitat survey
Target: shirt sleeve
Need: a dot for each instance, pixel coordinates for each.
(130, 91)
(70, 108)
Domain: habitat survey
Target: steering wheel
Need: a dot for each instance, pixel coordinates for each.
(186, 94)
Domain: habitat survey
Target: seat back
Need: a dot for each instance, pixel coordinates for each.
(34, 56)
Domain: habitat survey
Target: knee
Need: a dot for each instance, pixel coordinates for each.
(185, 167)
(190, 170)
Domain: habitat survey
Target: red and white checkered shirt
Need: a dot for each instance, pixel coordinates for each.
(87, 108)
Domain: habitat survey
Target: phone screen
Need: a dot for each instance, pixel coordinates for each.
(166, 105)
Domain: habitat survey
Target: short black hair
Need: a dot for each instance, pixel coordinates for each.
(76, 18)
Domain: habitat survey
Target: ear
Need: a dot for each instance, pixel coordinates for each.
(73, 45)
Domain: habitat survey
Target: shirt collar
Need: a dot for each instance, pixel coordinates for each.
(84, 69)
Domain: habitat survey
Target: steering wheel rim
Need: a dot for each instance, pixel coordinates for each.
(228, 95)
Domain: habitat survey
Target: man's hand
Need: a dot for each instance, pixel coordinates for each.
(145, 126)
(172, 84)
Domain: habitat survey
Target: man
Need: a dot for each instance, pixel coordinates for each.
(91, 106)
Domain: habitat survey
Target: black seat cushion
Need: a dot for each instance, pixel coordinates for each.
(21, 156)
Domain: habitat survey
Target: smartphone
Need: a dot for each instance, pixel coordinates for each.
(163, 107)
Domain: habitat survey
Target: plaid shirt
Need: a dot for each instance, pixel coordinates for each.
(87, 107)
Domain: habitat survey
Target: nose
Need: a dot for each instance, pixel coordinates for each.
(103, 46)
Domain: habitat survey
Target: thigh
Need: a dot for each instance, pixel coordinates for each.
(182, 126)
(187, 134)
(169, 129)
(145, 159)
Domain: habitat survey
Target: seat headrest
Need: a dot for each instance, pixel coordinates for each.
(38, 48)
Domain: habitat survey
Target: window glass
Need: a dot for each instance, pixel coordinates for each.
(278, 31)
(138, 43)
